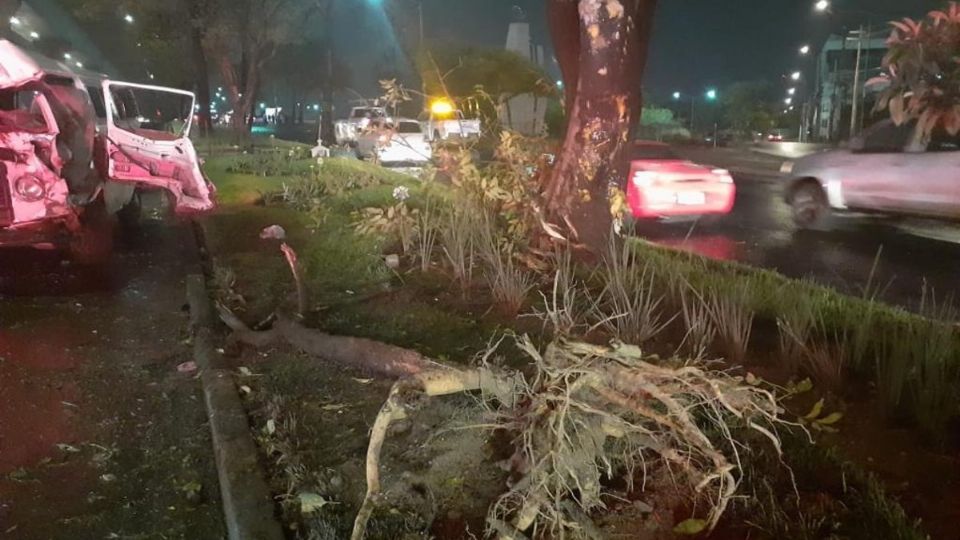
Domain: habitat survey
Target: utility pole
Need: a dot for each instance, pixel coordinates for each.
(693, 106)
(420, 9)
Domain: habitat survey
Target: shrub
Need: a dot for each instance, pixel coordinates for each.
(733, 318)
(628, 307)
(509, 283)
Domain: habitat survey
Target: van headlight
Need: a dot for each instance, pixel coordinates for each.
(30, 188)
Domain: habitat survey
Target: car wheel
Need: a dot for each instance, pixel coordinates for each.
(809, 207)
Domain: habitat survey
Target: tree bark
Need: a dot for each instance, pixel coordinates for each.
(327, 134)
(202, 80)
(603, 81)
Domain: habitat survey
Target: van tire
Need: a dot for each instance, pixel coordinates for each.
(129, 215)
(92, 243)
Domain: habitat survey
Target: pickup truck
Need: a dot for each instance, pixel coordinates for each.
(360, 117)
(889, 171)
(442, 127)
(75, 151)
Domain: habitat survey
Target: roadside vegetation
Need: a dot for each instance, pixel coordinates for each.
(447, 265)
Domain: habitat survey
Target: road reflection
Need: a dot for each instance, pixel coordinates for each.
(858, 255)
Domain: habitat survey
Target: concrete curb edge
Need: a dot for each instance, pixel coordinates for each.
(248, 506)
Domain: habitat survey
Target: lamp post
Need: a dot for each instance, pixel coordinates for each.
(859, 95)
(710, 94)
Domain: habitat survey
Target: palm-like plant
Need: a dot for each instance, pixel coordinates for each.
(923, 73)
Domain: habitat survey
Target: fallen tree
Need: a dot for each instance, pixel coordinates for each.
(588, 414)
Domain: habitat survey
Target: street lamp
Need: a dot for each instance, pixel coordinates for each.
(788, 101)
(795, 76)
(804, 50)
(822, 5)
(791, 91)
(676, 96)
(711, 95)
(129, 18)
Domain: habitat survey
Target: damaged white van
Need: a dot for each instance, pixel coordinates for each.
(77, 150)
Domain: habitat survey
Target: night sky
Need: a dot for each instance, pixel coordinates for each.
(696, 44)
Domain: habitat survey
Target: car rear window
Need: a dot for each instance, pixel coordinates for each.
(409, 127)
(653, 152)
(368, 113)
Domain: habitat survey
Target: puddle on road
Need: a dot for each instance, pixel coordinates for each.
(713, 246)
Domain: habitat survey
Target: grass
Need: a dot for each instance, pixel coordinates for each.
(360, 296)
(629, 307)
(852, 504)
(908, 355)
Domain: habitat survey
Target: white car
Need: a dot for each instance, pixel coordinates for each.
(360, 119)
(452, 125)
(394, 142)
(888, 171)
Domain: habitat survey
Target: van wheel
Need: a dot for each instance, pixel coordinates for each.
(129, 215)
(809, 207)
(92, 243)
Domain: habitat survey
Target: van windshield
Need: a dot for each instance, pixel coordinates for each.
(20, 111)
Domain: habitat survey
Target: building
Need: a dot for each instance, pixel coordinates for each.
(525, 113)
(844, 66)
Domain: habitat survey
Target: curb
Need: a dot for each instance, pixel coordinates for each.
(248, 505)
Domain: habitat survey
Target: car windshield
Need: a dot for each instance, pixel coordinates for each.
(654, 152)
(409, 127)
(368, 113)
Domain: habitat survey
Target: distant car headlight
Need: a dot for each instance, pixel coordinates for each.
(30, 188)
(787, 167)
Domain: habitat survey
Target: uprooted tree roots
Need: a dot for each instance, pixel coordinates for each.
(588, 413)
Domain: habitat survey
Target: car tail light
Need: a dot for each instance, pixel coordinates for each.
(723, 176)
(644, 178)
(29, 188)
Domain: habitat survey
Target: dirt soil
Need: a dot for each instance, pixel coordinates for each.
(100, 435)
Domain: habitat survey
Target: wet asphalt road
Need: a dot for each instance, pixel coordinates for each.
(99, 430)
(759, 232)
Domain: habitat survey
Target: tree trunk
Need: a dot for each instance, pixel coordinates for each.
(604, 109)
(202, 81)
(327, 134)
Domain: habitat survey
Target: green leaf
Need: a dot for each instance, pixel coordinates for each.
(815, 411)
(690, 527)
(803, 387)
(311, 502)
(831, 419)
